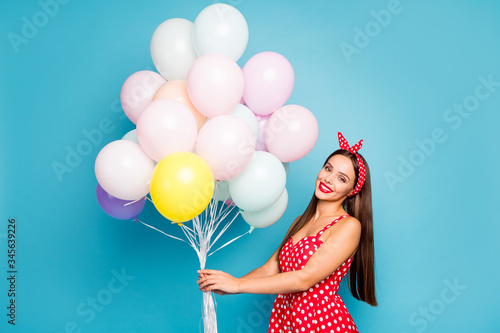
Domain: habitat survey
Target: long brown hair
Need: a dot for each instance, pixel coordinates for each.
(361, 280)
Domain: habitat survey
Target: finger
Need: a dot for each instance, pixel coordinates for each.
(203, 283)
(204, 278)
(208, 282)
(208, 271)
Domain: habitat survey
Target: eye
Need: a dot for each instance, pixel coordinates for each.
(343, 179)
(327, 168)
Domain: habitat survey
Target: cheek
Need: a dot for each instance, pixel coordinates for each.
(344, 186)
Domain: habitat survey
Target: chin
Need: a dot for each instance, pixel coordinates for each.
(321, 195)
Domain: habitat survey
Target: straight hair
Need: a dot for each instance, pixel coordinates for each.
(361, 279)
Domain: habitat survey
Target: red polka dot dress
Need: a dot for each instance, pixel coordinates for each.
(319, 309)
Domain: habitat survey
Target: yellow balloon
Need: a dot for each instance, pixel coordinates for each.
(182, 186)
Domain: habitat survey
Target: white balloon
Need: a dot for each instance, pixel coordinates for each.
(172, 48)
(260, 184)
(220, 28)
(124, 170)
(131, 136)
(245, 114)
(265, 218)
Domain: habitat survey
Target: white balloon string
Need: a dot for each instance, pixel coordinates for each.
(147, 225)
(199, 237)
(209, 313)
(225, 228)
(232, 240)
(191, 238)
(131, 202)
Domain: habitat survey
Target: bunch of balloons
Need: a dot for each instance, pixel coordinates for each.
(203, 119)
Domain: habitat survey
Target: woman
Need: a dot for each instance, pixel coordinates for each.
(334, 233)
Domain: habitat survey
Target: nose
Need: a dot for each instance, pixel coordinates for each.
(328, 179)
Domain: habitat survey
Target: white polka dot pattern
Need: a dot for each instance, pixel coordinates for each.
(361, 179)
(319, 309)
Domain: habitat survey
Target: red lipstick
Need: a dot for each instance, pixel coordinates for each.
(323, 188)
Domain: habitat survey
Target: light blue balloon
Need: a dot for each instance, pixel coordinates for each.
(260, 184)
(270, 215)
(221, 192)
(245, 114)
(287, 167)
(131, 136)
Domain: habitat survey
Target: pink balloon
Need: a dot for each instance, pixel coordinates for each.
(261, 141)
(227, 144)
(291, 133)
(138, 91)
(215, 84)
(166, 126)
(269, 81)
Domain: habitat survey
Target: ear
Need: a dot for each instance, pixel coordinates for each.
(350, 193)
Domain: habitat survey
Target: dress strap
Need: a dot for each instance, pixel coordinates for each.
(330, 224)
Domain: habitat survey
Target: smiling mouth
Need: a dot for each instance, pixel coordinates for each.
(323, 188)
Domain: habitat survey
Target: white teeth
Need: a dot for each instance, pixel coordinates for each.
(325, 188)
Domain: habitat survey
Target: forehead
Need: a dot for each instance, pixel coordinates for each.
(342, 163)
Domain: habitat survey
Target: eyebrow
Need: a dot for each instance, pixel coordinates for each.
(339, 170)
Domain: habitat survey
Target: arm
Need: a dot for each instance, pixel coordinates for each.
(271, 267)
(330, 255)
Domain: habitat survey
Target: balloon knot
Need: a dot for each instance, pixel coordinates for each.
(251, 229)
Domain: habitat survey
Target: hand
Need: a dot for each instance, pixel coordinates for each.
(218, 292)
(219, 282)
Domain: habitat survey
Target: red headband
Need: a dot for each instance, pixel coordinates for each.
(361, 179)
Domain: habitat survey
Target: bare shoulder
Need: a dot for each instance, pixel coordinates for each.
(348, 225)
(351, 221)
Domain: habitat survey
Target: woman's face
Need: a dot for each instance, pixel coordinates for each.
(336, 179)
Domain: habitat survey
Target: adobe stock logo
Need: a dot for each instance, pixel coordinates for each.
(431, 311)
(371, 30)
(454, 116)
(257, 320)
(94, 304)
(31, 26)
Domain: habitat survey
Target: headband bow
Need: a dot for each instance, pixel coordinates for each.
(361, 178)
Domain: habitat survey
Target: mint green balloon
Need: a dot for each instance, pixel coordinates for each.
(260, 184)
(270, 215)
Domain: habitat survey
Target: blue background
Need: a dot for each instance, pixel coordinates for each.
(434, 226)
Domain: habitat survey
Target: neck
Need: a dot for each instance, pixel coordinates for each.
(329, 208)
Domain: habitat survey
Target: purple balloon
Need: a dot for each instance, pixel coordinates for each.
(116, 208)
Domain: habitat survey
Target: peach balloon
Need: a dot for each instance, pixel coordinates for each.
(176, 89)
